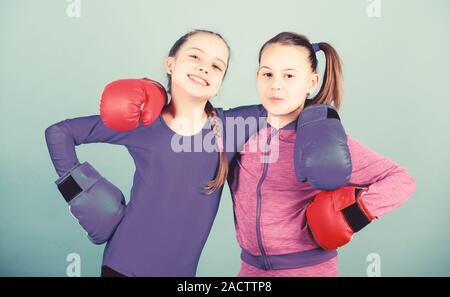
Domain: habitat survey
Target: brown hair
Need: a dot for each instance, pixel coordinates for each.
(331, 90)
(222, 170)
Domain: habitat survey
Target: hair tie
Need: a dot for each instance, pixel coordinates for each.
(315, 47)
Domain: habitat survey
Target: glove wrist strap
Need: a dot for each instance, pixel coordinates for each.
(77, 180)
(356, 214)
(69, 188)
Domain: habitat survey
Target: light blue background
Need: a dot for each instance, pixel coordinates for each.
(52, 67)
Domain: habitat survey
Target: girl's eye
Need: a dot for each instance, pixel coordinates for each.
(194, 56)
(217, 67)
(267, 74)
(289, 76)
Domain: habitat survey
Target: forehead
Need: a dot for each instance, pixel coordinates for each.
(284, 56)
(209, 43)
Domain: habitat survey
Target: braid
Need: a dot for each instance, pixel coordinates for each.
(222, 170)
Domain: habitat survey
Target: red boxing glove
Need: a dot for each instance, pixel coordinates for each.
(127, 102)
(333, 216)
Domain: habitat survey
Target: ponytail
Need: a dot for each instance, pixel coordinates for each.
(331, 90)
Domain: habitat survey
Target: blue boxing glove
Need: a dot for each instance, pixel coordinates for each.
(321, 153)
(97, 204)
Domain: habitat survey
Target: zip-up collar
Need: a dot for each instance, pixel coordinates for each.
(291, 126)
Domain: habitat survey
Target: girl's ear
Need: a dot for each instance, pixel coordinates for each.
(170, 64)
(313, 83)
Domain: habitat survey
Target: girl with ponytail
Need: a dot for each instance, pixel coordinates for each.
(270, 204)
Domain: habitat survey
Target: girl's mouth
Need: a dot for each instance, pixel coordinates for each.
(276, 99)
(198, 80)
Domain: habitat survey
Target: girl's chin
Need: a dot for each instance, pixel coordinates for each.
(276, 109)
(196, 92)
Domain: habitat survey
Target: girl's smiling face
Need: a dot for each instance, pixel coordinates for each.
(199, 66)
(285, 78)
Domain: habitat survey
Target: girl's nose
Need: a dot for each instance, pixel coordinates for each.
(203, 68)
(276, 84)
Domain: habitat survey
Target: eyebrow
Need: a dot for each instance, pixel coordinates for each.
(285, 69)
(199, 49)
